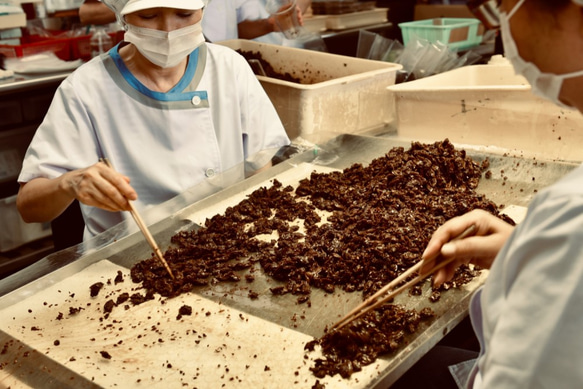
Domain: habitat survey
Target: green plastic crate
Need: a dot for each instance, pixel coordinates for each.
(456, 33)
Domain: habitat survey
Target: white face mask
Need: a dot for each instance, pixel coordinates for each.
(546, 85)
(162, 48)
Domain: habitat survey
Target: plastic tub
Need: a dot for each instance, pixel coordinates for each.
(457, 33)
(315, 23)
(336, 94)
(357, 19)
(487, 105)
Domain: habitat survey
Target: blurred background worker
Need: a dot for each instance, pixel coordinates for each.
(529, 314)
(167, 109)
(258, 11)
(223, 19)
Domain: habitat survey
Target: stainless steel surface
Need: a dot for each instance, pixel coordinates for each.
(22, 82)
(514, 181)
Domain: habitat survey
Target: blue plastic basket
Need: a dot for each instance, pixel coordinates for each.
(456, 33)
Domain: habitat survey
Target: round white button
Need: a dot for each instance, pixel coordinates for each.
(196, 100)
(209, 172)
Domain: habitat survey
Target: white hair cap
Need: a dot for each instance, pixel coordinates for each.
(138, 5)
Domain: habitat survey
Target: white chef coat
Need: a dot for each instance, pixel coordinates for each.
(214, 119)
(529, 314)
(222, 17)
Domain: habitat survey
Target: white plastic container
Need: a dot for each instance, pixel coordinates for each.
(356, 19)
(315, 23)
(338, 94)
(487, 105)
(14, 232)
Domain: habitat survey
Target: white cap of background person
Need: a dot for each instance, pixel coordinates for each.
(123, 7)
(138, 5)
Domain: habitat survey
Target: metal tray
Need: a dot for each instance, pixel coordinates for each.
(229, 340)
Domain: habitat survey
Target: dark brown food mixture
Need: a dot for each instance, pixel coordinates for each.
(267, 68)
(382, 218)
(359, 343)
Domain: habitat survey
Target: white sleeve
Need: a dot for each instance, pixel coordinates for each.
(64, 141)
(533, 302)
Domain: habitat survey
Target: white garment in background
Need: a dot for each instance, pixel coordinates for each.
(221, 18)
(531, 306)
(217, 117)
(256, 10)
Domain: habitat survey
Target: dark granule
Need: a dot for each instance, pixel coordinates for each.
(318, 385)
(74, 310)
(105, 354)
(118, 277)
(184, 310)
(95, 288)
(108, 306)
(122, 298)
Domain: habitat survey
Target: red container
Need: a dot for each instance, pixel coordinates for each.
(34, 44)
(81, 46)
(65, 48)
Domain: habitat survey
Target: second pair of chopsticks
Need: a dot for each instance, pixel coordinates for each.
(144, 228)
(391, 290)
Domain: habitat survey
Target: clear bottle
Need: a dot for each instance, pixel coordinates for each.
(100, 41)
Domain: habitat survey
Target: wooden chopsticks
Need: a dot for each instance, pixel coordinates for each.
(144, 228)
(374, 301)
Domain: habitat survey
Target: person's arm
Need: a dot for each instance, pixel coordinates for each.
(251, 29)
(479, 249)
(95, 12)
(43, 199)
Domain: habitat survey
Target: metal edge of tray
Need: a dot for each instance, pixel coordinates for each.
(21, 82)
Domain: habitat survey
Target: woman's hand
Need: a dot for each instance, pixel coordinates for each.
(479, 249)
(100, 186)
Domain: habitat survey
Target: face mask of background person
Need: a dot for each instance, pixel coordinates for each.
(545, 85)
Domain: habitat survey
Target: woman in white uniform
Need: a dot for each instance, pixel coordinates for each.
(529, 314)
(168, 111)
(241, 19)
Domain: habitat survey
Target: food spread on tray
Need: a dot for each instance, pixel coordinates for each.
(380, 218)
(353, 230)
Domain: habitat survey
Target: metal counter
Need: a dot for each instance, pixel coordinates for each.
(230, 340)
(22, 82)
